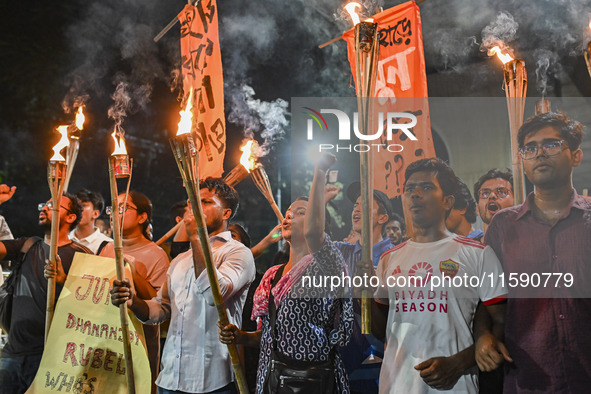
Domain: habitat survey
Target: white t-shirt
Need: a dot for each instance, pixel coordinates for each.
(93, 241)
(426, 321)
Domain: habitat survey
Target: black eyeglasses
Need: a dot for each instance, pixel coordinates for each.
(122, 208)
(550, 148)
(50, 206)
(500, 192)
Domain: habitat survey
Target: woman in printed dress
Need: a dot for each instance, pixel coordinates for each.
(310, 320)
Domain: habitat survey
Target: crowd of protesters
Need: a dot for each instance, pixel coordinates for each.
(487, 337)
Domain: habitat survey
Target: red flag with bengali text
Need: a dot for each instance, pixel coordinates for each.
(401, 82)
(202, 70)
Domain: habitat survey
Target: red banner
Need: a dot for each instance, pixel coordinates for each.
(202, 70)
(402, 83)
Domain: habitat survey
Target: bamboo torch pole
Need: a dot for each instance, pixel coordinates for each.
(587, 53)
(261, 180)
(186, 157)
(366, 55)
(515, 90)
(74, 139)
(120, 167)
(56, 174)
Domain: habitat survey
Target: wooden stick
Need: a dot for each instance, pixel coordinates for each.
(261, 180)
(366, 56)
(169, 233)
(71, 156)
(120, 267)
(171, 24)
(587, 54)
(56, 172)
(186, 157)
(236, 175)
(516, 90)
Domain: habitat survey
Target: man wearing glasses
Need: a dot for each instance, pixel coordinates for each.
(22, 353)
(549, 234)
(493, 192)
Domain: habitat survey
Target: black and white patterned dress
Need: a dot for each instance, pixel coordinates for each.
(305, 314)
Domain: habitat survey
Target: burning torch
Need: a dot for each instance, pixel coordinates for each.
(515, 90)
(186, 157)
(120, 167)
(56, 174)
(587, 53)
(248, 165)
(74, 137)
(366, 57)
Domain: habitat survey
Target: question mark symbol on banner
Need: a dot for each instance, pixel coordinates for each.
(388, 167)
(398, 158)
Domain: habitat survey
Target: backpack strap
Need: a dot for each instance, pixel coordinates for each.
(102, 246)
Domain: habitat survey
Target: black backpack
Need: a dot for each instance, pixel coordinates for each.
(7, 288)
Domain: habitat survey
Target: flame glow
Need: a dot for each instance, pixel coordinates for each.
(80, 119)
(247, 159)
(186, 117)
(505, 58)
(350, 8)
(119, 144)
(61, 144)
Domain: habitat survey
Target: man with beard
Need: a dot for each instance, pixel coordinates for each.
(396, 229)
(21, 355)
(493, 192)
(193, 359)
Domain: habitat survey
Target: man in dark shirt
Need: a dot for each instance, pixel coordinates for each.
(22, 353)
(548, 237)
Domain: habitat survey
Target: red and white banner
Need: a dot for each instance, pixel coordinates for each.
(401, 78)
(202, 70)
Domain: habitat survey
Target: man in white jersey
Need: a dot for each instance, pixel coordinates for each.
(429, 288)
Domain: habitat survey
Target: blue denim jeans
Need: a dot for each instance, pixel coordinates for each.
(17, 373)
(228, 389)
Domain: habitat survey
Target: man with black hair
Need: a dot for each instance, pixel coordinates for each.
(395, 229)
(21, 355)
(427, 321)
(549, 234)
(463, 213)
(86, 232)
(493, 191)
(193, 359)
(362, 378)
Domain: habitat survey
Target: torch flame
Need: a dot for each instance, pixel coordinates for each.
(247, 159)
(186, 116)
(61, 144)
(80, 119)
(505, 58)
(119, 144)
(350, 8)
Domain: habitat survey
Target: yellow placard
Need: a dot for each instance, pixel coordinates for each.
(84, 349)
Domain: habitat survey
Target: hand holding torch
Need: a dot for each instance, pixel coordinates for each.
(56, 174)
(186, 156)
